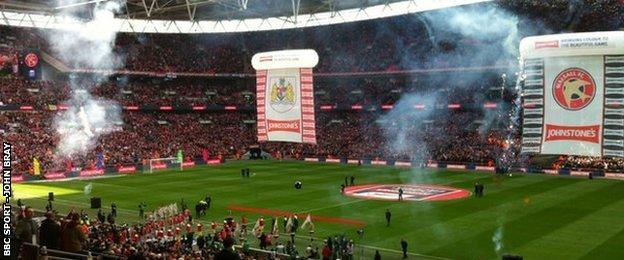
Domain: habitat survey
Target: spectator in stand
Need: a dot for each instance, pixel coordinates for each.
(26, 228)
(72, 236)
(50, 232)
(227, 253)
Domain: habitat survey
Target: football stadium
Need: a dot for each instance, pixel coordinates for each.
(312, 129)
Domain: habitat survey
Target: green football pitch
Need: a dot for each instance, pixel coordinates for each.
(536, 216)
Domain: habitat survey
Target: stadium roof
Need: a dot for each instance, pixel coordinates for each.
(215, 16)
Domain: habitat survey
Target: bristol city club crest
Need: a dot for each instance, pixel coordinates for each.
(574, 89)
(282, 97)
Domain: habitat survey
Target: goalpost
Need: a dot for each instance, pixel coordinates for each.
(156, 164)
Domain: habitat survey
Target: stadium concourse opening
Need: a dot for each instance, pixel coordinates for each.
(410, 192)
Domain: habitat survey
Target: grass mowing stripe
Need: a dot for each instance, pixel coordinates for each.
(610, 249)
(428, 223)
(490, 218)
(540, 222)
(578, 238)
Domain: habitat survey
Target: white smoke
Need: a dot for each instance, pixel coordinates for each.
(497, 239)
(481, 23)
(409, 113)
(499, 235)
(496, 33)
(88, 44)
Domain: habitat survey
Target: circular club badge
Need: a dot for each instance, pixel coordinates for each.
(574, 89)
(31, 60)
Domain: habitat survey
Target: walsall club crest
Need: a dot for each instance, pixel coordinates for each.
(31, 60)
(282, 94)
(574, 89)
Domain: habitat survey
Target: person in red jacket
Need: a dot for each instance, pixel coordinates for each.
(327, 253)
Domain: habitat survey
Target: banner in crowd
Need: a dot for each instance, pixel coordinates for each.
(285, 95)
(573, 95)
(166, 211)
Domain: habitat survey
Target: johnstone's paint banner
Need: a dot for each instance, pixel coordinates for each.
(573, 94)
(285, 95)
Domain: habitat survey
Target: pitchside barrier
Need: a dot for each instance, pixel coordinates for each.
(467, 166)
(131, 169)
(107, 171)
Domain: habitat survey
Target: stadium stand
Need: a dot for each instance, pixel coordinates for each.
(349, 128)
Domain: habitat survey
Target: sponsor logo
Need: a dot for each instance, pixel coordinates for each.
(455, 166)
(311, 159)
(126, 169)
(551, 172)
(213, 162)
(265, 58)
(284, 126)
(188, 164)
(574, 89)
(579, 173)
(31, 60)
(573, 133)
(159, 166)
(614, 175)
(54, 175)
(484, 168)
(411, 192)
(282, 96)
(547, 44)
(403, 164)
(18, 178)
(91, 173)
(378, 162)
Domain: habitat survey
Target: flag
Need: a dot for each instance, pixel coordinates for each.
(256, 229)
(289, 225)
(237, 230)
(36, 167)
(275, 228)
(308, 222)
(284, 114)
(180, 156)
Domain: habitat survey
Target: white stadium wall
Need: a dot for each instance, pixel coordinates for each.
(573, 94)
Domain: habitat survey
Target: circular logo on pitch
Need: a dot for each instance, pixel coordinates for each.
(574, 89)
(31, 60)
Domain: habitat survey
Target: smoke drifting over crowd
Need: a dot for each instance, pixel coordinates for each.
(498, 35)
(88, 45)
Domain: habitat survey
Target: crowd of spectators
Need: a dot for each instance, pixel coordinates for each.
(175, 234)
(398, 43)
(341, 134)
(189, 92)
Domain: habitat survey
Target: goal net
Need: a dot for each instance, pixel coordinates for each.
(163, 163)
